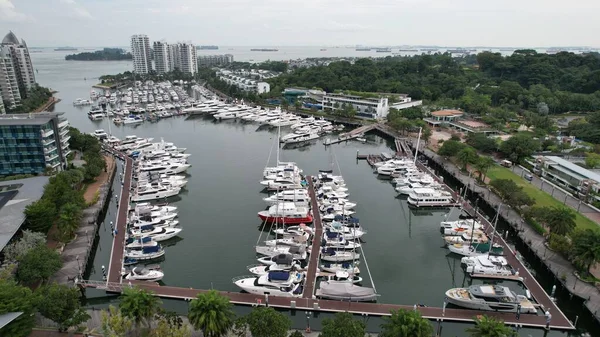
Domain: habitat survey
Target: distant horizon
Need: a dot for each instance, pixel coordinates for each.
(350, 46)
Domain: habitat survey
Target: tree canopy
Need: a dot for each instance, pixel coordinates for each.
(138, 304)
(61, 304)
(511, 193)
(211, 313)
(342, 324)
(519, 147)
(38, 264)
(16, 298)
(264, 322)
(486, 326)
(404, 323)
(585, 250)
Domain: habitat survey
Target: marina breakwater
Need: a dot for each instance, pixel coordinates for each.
(552, 268)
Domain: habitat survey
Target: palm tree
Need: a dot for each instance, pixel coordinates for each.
(68, 220)
(139, 305)
(585, 250)
(405, 323)
(212, 313)
(490, 327)
(482, 165)
(466, 156)
(560, 220)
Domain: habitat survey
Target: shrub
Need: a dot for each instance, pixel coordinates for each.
(560, 244)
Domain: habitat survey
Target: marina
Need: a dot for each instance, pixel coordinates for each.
(394, 229)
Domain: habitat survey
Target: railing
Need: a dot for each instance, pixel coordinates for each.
(63, 124)
(47, 133)
(108, 286)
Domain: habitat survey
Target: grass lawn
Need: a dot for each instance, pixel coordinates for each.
(541, 198)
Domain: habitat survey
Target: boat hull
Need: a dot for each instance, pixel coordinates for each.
(286, 220)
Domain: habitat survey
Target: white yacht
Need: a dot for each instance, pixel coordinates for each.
(140, 273)
(348, 267)
(133, 120)
(487, 264)
(429, 197)
(489, 298)
(147, 193)
(282, 262)
(298, 197)
(100, 134)
(294, 138)
(333, 255)
(146, 253)
(348, 233)
(407, 189)
(459, 227)
(282, 184)
(157, 234)
(166, 168)
(275, 283)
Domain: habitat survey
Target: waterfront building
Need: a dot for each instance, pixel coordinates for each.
(455, 120)
(33, 143)
(370, 105)
(568, 175)
(162, 63)
(184, 57)
(214, 60)
(140, 51)
(21, 60)
(2, 110)
(16, 196)
(243, 82)
(9, 87)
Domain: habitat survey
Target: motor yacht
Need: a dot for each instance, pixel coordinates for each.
(486, 264)
(286, 213)
(490, 298)
(100, 134)
(349, 267)
(165, 168)
(299, 197)
(333, 255)
(156, 233)
(275, 283)
(133, 120)
(147, 193)
(459, 227)
(345, 291)
(429, 197)
(140, 273)
(343, 276)
(146, 253)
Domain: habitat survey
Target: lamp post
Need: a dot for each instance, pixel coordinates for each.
(307, 321)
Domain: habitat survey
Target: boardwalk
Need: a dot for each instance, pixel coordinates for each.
(313, 263)
(528, 279)
(116, 255)
(362, 129)
(306, 304)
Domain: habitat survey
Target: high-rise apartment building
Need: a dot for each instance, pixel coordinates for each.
(214, 60)
(33, 143)
(162, 62)
(2, 110)
(9, 85)
(21, 60)
(140, 51)
(183, 57)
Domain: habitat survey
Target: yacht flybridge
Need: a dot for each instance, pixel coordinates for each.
(490, 298)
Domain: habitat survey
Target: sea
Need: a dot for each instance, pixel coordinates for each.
(403, 253)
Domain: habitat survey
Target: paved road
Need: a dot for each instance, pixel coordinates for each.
(561, 196)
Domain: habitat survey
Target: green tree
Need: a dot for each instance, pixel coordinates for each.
(486, 326)
(467, 156)
(406, 323)
(343, 324)
(40, 215)
(592, 160)
(115, 323)
(482, 142)
(15, 298)
(296, 333)
(16, 250)
(483, 164)
(401, 124)
(560, 220)
(68, 220)
(211, 313)
(519, 147)
(266, 322)
(426, 134)
(138, 304)
(61, 304)
(169, 324)
(38, 264)
(585, 251)
(451, 148)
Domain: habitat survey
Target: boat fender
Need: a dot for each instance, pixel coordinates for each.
(528, 294)
(469, 269)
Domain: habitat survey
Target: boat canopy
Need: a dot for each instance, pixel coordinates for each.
(286, 259)
(151, 249)
(346, 290)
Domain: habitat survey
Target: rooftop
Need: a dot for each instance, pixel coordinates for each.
(583, 172)
(445, 113)
(15, 195)
(28, 119)
(8, 317)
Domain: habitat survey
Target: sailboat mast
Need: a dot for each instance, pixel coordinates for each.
(278, 138)
(417, 148)
(494, 229)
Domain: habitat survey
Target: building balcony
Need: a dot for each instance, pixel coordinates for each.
(63, 133)
(48, 141)
(65, 139)
(51, 157)
(47, 133)
(63, 124)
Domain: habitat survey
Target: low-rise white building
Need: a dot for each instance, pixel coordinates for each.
(375, 107)
(242, 82)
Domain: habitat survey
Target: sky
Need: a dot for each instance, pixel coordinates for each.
(502, 23)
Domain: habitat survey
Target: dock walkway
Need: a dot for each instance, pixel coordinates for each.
(118, 246)
(558, 317)
(313, 263)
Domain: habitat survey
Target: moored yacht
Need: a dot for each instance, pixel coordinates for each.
(275, 283)
(489, 298)
(429, 197)
(286, 213)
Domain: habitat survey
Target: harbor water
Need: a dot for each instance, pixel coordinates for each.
(218, 209)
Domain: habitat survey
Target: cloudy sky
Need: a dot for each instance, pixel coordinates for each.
(305, 22)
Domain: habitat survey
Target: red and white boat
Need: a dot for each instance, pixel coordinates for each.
(286, 213)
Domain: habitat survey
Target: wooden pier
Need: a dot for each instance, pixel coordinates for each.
(308, 302)
(313, 262)
(118, 247)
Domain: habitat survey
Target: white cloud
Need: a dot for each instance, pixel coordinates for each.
(9, 13)
(76, 10)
